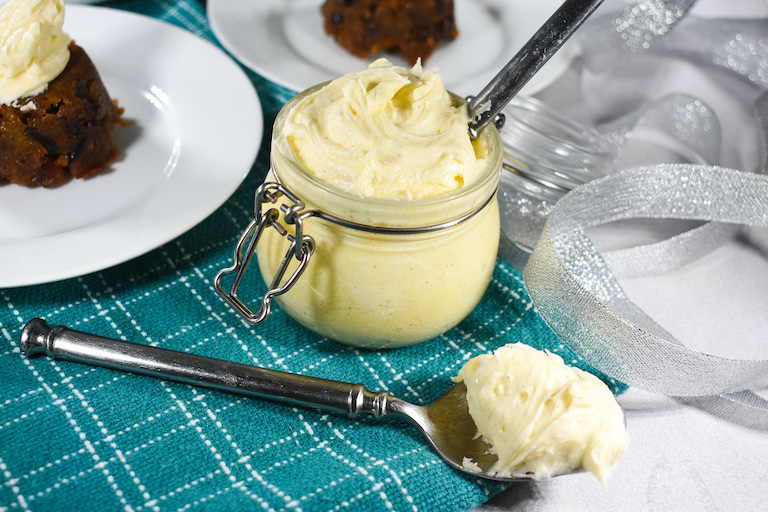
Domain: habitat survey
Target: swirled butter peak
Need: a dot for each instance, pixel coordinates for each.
(33, 47)
(542, 417)
(384, 132)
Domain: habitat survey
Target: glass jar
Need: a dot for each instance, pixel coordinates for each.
(546, 154)
(369, 272)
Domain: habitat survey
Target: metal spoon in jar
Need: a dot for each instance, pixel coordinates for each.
(487, 106)
(445, 423)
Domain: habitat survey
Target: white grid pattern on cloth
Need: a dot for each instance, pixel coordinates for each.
(105, 308)
(128, 308)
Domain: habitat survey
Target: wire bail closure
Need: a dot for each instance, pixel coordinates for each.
(268, 192)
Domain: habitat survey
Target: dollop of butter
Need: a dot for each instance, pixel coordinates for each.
(384, 132)
(33, 47)
(542, 417)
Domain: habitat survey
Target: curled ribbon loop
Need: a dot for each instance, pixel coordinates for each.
(579, 297)
(664, 27)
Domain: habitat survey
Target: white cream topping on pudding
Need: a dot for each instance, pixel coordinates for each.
(33, 47)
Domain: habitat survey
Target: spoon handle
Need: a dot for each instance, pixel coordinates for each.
(484, 107)
(38, 338)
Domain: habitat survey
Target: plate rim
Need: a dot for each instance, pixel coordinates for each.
(556, 66)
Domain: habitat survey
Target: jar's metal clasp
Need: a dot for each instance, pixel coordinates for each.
(268, 192)
(498, 121)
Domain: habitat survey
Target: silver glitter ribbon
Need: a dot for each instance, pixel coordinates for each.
(574, 287)
(663, 27)
(576, 293)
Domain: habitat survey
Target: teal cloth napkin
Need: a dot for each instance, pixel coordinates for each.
(75, 437)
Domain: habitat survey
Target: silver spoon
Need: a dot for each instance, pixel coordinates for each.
(445, 423)
(487, 106)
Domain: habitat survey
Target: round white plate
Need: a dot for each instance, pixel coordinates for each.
(182, 157)
(284, 41)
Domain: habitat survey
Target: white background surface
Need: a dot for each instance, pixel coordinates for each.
(680, 458)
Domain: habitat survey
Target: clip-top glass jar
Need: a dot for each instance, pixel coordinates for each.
(370, 272)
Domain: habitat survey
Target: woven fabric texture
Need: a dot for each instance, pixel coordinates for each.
(76, 437)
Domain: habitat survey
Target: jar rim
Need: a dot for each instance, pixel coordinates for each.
(570, 133)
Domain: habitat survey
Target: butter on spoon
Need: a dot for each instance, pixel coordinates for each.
(542, 417)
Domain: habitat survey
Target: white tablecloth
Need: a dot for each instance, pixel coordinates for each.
(680, 457)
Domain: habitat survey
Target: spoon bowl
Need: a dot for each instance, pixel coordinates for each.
(452, 432)
(446, 422)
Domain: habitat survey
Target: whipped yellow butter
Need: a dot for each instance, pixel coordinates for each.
(541, 416)
(384, 132)
(385, 147)
(33, 47)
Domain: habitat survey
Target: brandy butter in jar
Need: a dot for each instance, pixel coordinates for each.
(387, 235)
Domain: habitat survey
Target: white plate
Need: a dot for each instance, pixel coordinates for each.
(285, 42)
(182, 157)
